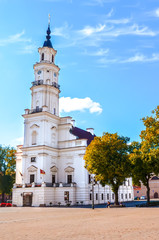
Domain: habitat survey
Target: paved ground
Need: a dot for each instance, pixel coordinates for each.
(79, 223)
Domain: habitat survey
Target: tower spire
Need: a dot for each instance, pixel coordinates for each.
(49, 20)
(47, 42)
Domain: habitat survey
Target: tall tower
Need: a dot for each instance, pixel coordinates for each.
(45, 88)
(45, 97)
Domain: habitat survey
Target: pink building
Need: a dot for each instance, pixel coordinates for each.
(154, 188)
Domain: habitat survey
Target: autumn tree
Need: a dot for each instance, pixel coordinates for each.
(145, 156)
(107, 157)
(7, 169)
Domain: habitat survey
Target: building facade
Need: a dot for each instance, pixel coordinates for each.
(50, 165)
(140, 191)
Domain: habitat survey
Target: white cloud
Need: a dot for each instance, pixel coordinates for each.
(157, 12)
(103, 62)
(88, 30)
(118, 21)
(142, 58)
(62, 31)
(100, 52)
(154, 13)
(18, 37)
(95, 35)
(68, 104)
(109, 14)
(97, 2)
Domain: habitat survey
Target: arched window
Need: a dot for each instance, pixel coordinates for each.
(34, 138)
(52, 58)
(42, 57)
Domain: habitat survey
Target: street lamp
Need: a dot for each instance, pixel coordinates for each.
(93, 183)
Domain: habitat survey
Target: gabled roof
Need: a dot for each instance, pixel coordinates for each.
(82, 134)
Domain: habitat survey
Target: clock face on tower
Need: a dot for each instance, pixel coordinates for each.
(39, 72)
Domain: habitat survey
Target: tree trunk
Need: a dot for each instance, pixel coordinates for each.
(116, 197)
(2, 196)
(148, 191)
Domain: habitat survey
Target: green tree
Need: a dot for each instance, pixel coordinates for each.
(7, 169)
(145, 155)
(107, 157)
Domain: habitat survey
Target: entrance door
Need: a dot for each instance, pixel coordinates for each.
(27, 199)
(155, 195)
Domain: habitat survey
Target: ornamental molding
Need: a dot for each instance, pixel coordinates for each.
(43, 154)
(69, 169)
(35, 126)
(32, 168)
(53, 169)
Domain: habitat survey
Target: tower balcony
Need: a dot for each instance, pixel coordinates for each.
(41, 82)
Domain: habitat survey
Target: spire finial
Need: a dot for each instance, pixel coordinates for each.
(49, 20)
(47, 42)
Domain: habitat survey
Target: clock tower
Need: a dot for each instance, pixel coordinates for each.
(45, 89)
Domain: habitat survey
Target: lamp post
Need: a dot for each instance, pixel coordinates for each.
(92, 181)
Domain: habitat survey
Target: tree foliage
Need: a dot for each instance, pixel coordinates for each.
(107, 157)
(145, 156)
(7, 169)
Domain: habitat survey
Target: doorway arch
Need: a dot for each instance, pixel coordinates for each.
(155, 195)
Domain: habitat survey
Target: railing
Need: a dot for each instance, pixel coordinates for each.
(36, 83)
(41, 82)
(36, 110)
(46, 184)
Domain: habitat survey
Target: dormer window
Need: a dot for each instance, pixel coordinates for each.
(42, 57)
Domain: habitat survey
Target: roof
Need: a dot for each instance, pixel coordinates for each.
(82, 134)
(155, 178)
(47, 42)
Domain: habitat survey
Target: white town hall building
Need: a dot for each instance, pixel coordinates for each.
(49, 165)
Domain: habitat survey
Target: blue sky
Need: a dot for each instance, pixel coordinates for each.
(108, 52)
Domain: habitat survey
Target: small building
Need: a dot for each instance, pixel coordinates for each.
(50, 165)
(154, 189)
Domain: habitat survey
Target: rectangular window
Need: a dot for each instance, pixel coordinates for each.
(129, 195)
(69, 178)
(89, 178)
(53, 179)
(122, 196)
(32, 178)
(96, 196)
(113, 196)
(126, 196)
(107, 196)
(90, 196)
(33, 159)
(102, 196)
